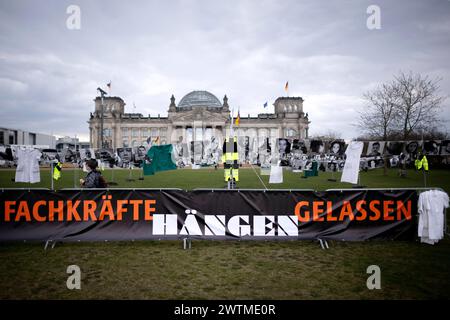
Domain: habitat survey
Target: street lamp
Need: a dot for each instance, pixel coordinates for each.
(102, 94)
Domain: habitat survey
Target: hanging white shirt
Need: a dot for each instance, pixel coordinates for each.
(431, 215)
(351, 167)
(28, 165)
(276, 174)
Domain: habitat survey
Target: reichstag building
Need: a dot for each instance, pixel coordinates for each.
(198, 116)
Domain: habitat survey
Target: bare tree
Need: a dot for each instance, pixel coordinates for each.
(418, 103)
(408, 104)
(377, 119)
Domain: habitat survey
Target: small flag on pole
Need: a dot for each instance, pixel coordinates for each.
(238, 119)
(231, 123)
(265, 104)
(157, 140)
(109, 87)
(286, 87)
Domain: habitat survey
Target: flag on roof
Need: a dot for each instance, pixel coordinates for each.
(238, 119)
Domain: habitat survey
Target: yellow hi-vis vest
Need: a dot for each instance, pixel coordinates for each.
(230, 158)
(425, 163)
(418, 164)
(422, 163)
(57, 171)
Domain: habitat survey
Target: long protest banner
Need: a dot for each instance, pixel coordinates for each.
(96, 215)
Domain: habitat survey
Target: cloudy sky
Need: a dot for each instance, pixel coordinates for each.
(244, 49)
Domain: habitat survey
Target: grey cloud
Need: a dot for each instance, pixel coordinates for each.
(245, 49)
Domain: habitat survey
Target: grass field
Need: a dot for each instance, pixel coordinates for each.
(209, 178)
(228, 269)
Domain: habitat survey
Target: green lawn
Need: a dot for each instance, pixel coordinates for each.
(228, 269)
(189, 179)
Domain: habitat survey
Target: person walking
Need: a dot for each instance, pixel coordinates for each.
(94, 178)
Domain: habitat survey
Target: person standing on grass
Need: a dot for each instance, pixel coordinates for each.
(94, 178)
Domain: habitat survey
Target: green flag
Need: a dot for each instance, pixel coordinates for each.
(161, 159)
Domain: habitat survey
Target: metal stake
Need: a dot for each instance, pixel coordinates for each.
(187, 243)
(51, 175)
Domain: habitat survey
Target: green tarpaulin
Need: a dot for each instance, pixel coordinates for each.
(161, 159)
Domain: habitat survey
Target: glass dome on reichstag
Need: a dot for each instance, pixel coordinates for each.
(199, 99)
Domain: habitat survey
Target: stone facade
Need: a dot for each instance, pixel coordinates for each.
(198, 115)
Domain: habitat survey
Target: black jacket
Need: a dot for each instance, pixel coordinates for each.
(93, 180)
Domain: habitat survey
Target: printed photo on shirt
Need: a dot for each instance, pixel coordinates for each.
(445, 147)
(86, 154)
(431, 147)
(264, 152)
(375, 148)
(196, 152)
(300, 145)
(244, 144)
(394, 148)
(68, 155)
(124, 157)
(317, 146)
(211, 151)
(284, 151)
(412, 147)
(336, 148)
(49, 155)
(140, 153)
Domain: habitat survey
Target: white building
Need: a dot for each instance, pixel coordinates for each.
(10, 136)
